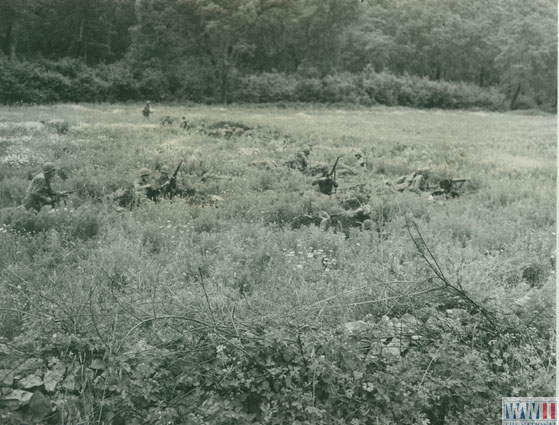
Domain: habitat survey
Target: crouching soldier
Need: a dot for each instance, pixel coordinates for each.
(163, 183)
(39, 192)
(142, 187)
(326, 184)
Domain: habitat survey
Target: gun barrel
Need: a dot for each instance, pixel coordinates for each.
(334, 166)
(177, 169)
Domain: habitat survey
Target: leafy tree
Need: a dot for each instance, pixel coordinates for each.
(12, 19)
(527, 58)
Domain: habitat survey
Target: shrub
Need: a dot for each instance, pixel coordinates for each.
(153, 84)
(81, 223)
(12, 190)
(85, 224)
(46, 81)
(191, 81)
(308, 89)
(121, 84)
(266, 87)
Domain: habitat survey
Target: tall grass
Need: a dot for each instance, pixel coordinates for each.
(117, 280)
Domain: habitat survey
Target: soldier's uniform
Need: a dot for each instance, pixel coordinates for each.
(141, 186)
(147, 111)
(163, 182)
(325, 184)
(39, 192)
(302, 159)
(414, 182)
(360, 160)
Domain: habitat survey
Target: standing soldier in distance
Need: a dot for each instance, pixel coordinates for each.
(39, 192)
(147, 111)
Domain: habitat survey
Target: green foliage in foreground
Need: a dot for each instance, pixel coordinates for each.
(181, 313)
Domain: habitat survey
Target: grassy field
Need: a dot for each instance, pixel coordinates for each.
(223, 312)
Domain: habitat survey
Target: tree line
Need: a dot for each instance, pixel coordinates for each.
(219, 50)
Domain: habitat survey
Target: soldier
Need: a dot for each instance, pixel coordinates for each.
(326, 184)
(300, 161)
(184, 124)
(163, 177)
(147, 111)
(360, 160)
(39, 192)
(167, 120)
(142, 187)
(162, 184)
(414, 182)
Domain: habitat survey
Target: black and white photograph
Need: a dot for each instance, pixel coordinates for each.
(278, 212)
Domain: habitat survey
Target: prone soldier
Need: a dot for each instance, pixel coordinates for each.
(167, 120)
(360, 160)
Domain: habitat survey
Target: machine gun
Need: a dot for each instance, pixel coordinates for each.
(332, 173)
(170, 189)
(450, 184)
(61, 195)
(333, 170)
(449, 187)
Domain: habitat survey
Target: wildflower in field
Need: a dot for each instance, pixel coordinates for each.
(369, 387)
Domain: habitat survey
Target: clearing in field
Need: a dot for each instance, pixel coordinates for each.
(252, 297)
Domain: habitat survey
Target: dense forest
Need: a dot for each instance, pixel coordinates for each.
(429, 53)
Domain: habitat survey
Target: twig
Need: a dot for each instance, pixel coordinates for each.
(151, 319)
(94, 322)
(206, 294)
(375, 301)
(428, 367)
(421, 246)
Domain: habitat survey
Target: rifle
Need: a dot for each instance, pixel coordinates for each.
(447, 185)
(170, 188)
(333, 170)
(56, 198)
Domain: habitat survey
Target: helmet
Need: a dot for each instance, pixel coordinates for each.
(307, 151)
(144, 172)
(164, 170)
(48, 167)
